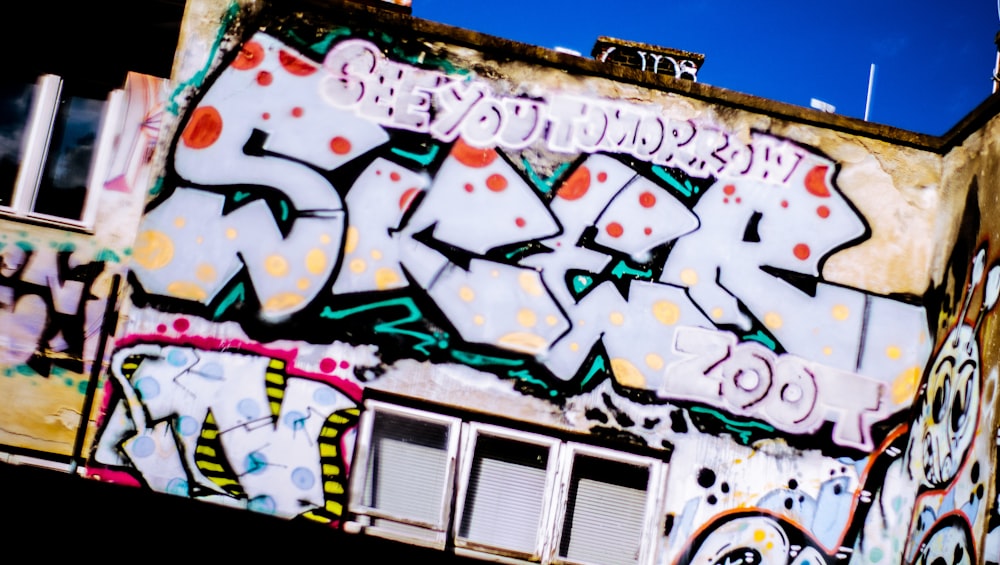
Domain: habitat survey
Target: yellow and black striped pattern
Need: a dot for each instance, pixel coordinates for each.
(274, 383)
(211, 460)
(332, 464)
(131, 364)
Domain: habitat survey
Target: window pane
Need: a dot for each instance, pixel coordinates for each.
(604, 512)
(63, 186)
(15, 105)
(503, 507)
(407, 468)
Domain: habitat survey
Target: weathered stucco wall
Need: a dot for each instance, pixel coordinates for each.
(789, 314)
(56, 286)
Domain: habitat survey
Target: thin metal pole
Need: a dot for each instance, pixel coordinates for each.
(871, 82)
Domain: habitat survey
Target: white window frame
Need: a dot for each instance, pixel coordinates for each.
(38, 136)
(462, 440)
(471, 433)
(385, 524)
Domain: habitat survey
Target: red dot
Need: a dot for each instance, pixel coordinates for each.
(576, 185)
(784, 204)
(294, 65)
(327, 365)
(647, 199)
(378, 173)
(615, 229)
(816, 181)
(648, 231)
(729, 190)
(472, 156)
(823, 212)
(297, 111)
(468, 187)
(496, 182)
(161, 328)
(266, 115)
(738, 200)
(407, 198)
(602, 176)
(251, 55)
(181, 324)
(203, 129)
(519, 222)
(801, 251)
(264, 78)
(340, 145)
(394, 176)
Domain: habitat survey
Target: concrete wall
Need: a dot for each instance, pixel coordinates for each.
(791, 313)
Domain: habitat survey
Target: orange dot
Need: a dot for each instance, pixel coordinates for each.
(472, 156)
(801, 251)
(251, 55)
(729, 190)
(647, 200)
(407, 198)
(496, 182)
(294, 65)
(203, 129)
(520, 222)
(823, 212)
(816, 181)
(602, 176)
(264, 78)
(615, 229)
(394, 176)
(576, 185)
(297, 111)
(340, 145)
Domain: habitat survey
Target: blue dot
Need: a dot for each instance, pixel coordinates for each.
(187, 426)
(255, 462)
(325, 396)
(211, 371)
(295, 420)
(147, 387)
(177, 357)
(143, 446)
(263, 504)
(303, 478)
(248, 408)
(177, 487)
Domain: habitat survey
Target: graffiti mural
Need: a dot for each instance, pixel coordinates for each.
(341, 209)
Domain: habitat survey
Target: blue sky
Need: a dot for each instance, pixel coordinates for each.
(933, 60)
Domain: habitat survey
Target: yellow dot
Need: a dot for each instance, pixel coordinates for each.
(386, 278)
(716, 313)
(358, 266)
(840, 312)
(316, 261)
(627, 374)
(904, 387)
(574, 346)
(199, 240)
(759, 535)
(276, 265)
(689, 277)
(231, 233)
(530, 284)
(302, 284)
(153, 250)
(769, 546)
(179, 221)
(527, 318)
(186, 290)
(325, 239)
(773, 320)
(376, 254)
(616, 318)
(893, 352)
(666, 312)
(282, 301)
(350, 240)
(828, 350)
(466, 294)
(551, 320)
(478, 320)
(205, 273)
(654, 361)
